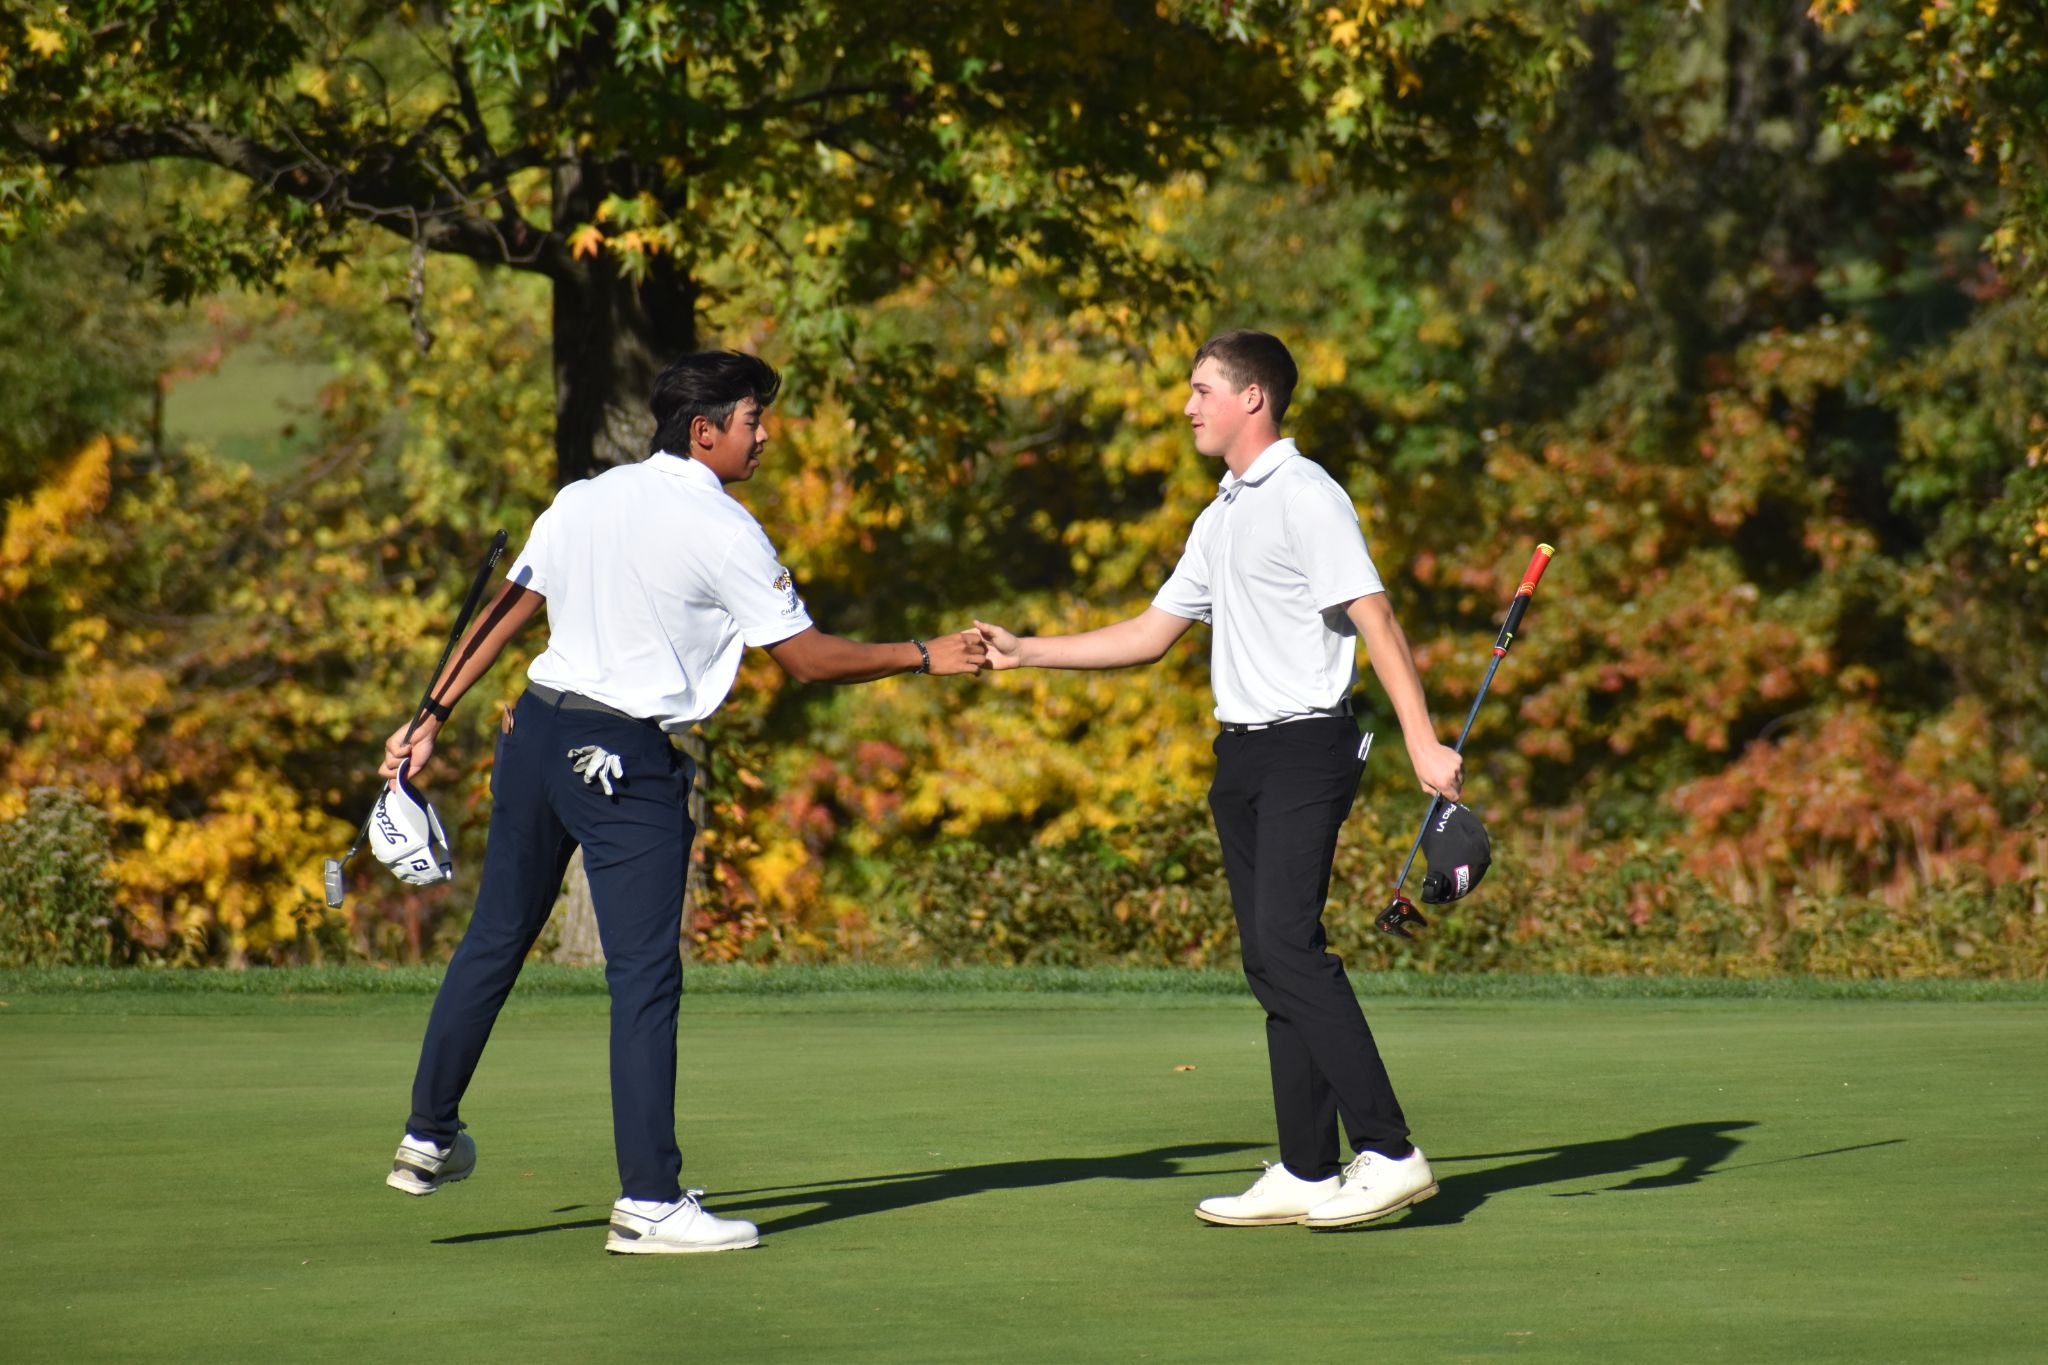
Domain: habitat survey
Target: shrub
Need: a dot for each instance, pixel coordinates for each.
(1155, 894)
(1138, 894)
(56, 897)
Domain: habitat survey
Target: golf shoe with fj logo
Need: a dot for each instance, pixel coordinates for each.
(644, 1227)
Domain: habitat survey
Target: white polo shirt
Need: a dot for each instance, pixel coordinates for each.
(1270, 565)
(656, 581)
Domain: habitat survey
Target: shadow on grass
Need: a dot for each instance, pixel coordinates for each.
(829, 1200)
(1697, 1149)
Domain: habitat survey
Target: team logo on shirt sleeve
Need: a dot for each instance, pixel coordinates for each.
(786, 585)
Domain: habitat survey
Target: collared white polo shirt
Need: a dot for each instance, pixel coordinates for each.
(1270, 565)
(656, 581)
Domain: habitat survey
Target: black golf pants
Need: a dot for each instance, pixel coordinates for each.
(1280, 796)
(636, 846)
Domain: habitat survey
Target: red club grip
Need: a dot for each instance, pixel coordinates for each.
(1533, 575)
(1538, 562)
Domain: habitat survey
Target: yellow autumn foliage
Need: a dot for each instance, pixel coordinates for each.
(36, 525)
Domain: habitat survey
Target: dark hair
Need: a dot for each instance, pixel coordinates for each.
(708, 384)
(1248, 358)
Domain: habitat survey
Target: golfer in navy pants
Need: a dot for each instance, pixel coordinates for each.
(636, 851)
(655, 580)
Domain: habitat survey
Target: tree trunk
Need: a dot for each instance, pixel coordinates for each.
(612, 336)
(575, 923)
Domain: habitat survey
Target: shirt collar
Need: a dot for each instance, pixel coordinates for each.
(1270, 459)
(684, 468)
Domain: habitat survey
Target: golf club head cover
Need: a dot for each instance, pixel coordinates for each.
(406, 836)
(1458, 851)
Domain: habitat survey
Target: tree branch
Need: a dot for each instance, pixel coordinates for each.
(446, 220)
(751, 113)
(492, 169)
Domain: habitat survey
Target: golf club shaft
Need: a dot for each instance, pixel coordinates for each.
(469, 606)
(336, 868)
(1531, 576)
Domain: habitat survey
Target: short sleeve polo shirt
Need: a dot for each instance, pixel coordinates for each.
(1270, 565)
(656, 580)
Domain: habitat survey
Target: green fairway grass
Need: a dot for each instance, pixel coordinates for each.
(259, 407)
(975, 1173)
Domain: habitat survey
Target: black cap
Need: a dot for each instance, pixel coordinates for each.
(1456, 845)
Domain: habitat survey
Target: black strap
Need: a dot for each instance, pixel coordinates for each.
(469, 604)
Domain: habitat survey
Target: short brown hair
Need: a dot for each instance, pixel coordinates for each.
(1247, 357)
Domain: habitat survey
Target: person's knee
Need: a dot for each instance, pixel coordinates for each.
(1297, 961)
(497, 940)
(645, 977)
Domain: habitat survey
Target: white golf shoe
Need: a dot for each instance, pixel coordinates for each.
(423, 1166)
(1275, 1197)
(642, 1227)
(1375, 1186)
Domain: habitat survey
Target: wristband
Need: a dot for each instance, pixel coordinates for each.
(924, 654)
(436, 710)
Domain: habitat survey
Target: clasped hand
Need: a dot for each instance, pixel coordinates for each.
(961, 652)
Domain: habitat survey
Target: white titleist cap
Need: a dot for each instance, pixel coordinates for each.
(406, 836)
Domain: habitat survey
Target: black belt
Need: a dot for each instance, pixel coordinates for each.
(1342, 708)
(576, 701)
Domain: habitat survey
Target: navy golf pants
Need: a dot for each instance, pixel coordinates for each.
(636, 847)
(1279, 798)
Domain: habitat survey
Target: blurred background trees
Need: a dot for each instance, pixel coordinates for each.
(1738, 303)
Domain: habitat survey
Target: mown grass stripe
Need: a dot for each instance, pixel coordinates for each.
(551, 979)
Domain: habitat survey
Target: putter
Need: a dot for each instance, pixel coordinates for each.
(334, 873)
(1402, 913)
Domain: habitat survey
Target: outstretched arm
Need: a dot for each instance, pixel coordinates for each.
(1437, 766)
(1143, 639)
(811, 655)
(507, 615)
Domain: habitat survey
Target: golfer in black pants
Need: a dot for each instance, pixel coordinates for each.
(655, 581)
(1278, 567)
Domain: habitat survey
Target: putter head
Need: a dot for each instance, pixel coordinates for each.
(334, 883)
(1396, 918)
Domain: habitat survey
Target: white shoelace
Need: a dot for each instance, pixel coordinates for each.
(596, 761)
(1269, 1170)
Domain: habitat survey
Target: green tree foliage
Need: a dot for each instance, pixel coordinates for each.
(1956, 96)
(1753, 375)
(1643, 281)
(676, 171)
(1970, 77)
(95, 358)
(652, 162)
(224, 653)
